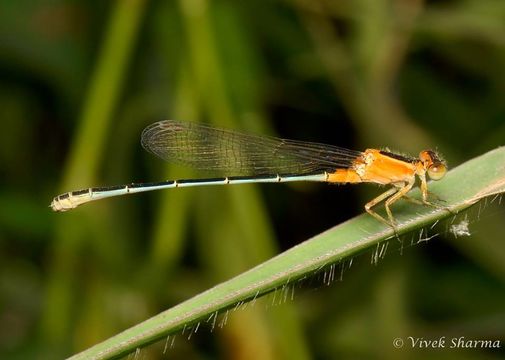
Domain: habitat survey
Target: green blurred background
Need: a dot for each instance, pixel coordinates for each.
(80, 79)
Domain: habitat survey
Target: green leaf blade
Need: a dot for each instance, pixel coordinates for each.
(461, 188)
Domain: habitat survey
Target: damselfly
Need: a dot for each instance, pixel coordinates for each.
(251, 158)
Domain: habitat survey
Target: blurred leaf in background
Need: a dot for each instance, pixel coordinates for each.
(80, 79)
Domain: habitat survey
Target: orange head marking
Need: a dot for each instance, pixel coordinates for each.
(433, 164)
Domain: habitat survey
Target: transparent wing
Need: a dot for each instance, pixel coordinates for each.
(207, 148)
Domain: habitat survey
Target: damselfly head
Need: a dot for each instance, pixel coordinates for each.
(434, 165)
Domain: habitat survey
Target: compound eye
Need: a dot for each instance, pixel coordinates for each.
(437, 171)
